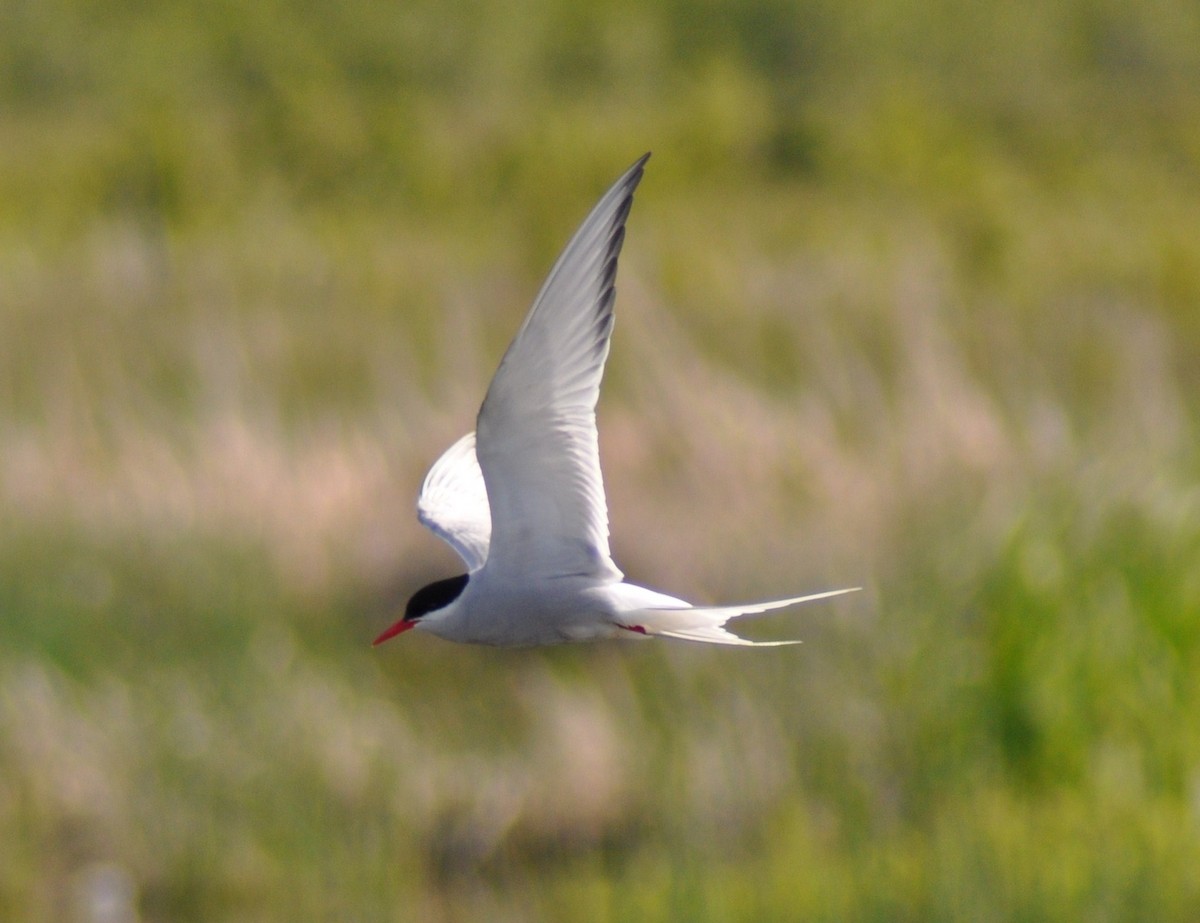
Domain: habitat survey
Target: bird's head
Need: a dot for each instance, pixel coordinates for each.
(430, 598)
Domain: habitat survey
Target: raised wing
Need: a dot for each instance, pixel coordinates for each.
(454, 503)
(537, 441)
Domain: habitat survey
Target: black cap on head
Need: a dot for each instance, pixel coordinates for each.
(436, 595)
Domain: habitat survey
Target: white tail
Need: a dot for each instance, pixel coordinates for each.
(706, 623)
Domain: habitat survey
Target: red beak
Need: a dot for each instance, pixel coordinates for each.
(398, 629)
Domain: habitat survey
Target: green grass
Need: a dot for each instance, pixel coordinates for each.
(933, 272)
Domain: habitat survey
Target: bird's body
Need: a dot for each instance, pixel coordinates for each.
(564, 609)
(521, 499)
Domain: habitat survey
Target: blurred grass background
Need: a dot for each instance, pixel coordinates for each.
(909, 300)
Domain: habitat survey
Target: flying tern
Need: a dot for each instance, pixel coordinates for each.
(521, 499)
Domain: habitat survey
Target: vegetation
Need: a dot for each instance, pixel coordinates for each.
(909, 301)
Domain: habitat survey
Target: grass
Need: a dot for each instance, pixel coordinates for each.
(930, 270)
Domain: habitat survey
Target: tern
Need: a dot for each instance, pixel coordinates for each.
(521, 499)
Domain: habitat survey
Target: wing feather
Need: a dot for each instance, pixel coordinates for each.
(537, 441)
(453, 503)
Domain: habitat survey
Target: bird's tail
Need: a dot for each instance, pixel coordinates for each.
(706, 623)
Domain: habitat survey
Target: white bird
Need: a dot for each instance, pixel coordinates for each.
(521, 499)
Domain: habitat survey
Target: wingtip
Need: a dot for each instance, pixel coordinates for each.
(638, 166)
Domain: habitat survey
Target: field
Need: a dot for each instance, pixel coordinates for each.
(910, 300)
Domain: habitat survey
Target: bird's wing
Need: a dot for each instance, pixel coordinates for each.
(537, 440)
(454, 503)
